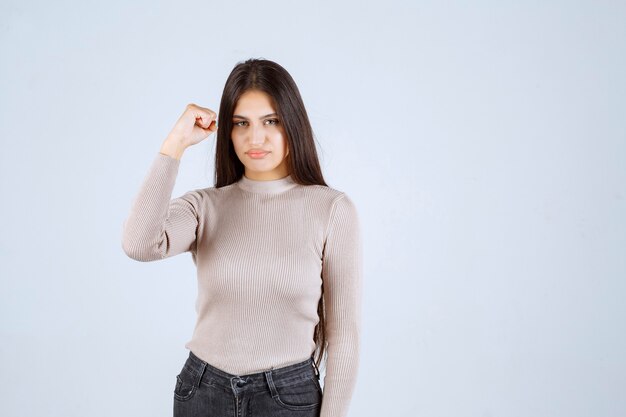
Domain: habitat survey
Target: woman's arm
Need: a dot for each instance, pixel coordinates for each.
(342, 272)
(158, 227)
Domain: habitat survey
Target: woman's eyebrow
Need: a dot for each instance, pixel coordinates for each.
(260, 118)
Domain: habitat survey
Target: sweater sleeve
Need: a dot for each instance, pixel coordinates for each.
(158, 227)
(342, 280)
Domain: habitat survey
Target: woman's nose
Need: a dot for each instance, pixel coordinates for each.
(257, 136)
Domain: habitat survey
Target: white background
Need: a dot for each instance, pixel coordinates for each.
(484, 144)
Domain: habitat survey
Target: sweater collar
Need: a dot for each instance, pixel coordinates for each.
(266, 186)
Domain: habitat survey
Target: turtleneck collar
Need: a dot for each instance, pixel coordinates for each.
(266, 186)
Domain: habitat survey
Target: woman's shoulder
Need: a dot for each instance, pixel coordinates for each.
(324, 190)
(330, 197)
(202, 196)
(214, 192)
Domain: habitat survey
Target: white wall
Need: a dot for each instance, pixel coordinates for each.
(484, 144)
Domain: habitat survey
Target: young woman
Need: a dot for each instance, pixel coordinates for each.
(278, 254)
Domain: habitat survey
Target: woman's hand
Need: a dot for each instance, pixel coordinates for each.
(193, 126)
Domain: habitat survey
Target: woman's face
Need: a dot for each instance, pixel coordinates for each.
(256, 127)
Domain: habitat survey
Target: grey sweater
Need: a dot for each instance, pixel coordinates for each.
(262, 249)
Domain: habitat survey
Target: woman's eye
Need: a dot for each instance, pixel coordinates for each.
(241, 123)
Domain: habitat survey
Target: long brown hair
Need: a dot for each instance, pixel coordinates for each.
(302, 161)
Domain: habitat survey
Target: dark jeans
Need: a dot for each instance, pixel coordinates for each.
(204, 390)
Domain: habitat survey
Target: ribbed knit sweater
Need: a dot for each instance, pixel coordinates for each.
(262, 249)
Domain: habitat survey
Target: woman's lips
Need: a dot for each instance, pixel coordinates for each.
(257, 155)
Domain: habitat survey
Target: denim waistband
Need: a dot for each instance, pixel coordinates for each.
(283, 376)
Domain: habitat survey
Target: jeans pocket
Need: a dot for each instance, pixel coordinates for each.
(302, 395)
(186, 385)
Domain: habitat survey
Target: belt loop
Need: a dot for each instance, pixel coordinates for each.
(317, 371)
(270, 382)
(202, 369)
